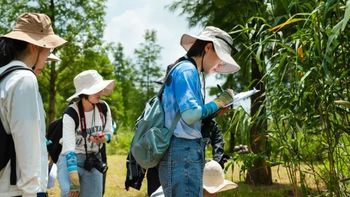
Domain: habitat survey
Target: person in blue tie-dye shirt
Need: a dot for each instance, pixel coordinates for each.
(181, 169)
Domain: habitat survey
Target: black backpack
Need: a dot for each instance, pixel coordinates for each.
(54, 133)
(7, 148)
(54, 130)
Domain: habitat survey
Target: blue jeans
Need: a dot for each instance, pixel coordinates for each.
(90, 181)
(181, 169)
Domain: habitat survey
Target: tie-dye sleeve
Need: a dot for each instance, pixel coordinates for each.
(187, 89)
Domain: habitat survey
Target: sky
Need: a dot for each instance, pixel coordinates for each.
(127, 21)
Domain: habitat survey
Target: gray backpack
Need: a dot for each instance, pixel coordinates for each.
(152, 138)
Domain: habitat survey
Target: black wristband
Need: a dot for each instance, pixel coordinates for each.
(41, 194)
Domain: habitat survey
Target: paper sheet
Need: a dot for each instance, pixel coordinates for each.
(241, 96)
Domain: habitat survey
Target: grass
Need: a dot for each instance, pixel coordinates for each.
(115, 180)
(117, 151)
(280, 187)
(117, 173)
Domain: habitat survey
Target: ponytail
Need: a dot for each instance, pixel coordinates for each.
(9, 48)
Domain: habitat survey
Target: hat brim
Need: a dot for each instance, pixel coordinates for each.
(160, 80)
(105, 85)
(229, 66)
(45, 41)
(226, 185)
(53, 57)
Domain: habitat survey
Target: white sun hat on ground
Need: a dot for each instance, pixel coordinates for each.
(214, 178)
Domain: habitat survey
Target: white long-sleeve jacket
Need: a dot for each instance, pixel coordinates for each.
(22, 115)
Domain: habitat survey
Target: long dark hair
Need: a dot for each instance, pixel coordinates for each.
(197, 49)
(9, 49)
(85, 96)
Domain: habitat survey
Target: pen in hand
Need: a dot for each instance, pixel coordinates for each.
(220, 88)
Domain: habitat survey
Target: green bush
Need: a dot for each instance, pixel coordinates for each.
(120, 142)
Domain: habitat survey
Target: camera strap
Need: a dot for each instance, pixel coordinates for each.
(83, 124)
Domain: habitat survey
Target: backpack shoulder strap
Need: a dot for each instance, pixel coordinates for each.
(11, 69)
(102, 106)
(72, 113)
(167, 78)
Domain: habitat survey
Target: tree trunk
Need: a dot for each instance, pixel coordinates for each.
(53, 74)
(260, 172)
(52, 94)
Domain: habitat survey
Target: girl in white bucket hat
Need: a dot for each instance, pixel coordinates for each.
(208, 52)
(82, 142)
(26, 47)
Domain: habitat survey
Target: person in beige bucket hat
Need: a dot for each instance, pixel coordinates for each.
(207, 52)
(23, 50)
(77, 144)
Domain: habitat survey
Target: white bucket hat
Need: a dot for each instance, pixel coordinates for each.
(90, 82)
(214, 179)
(222, 44)
(53, 57)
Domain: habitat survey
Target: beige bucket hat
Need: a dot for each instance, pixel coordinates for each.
(35, 28)
(222, 44)
(90, 82)
(214, 179)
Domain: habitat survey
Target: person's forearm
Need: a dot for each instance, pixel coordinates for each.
(209, 109)
(72, 164)
(192, 115)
